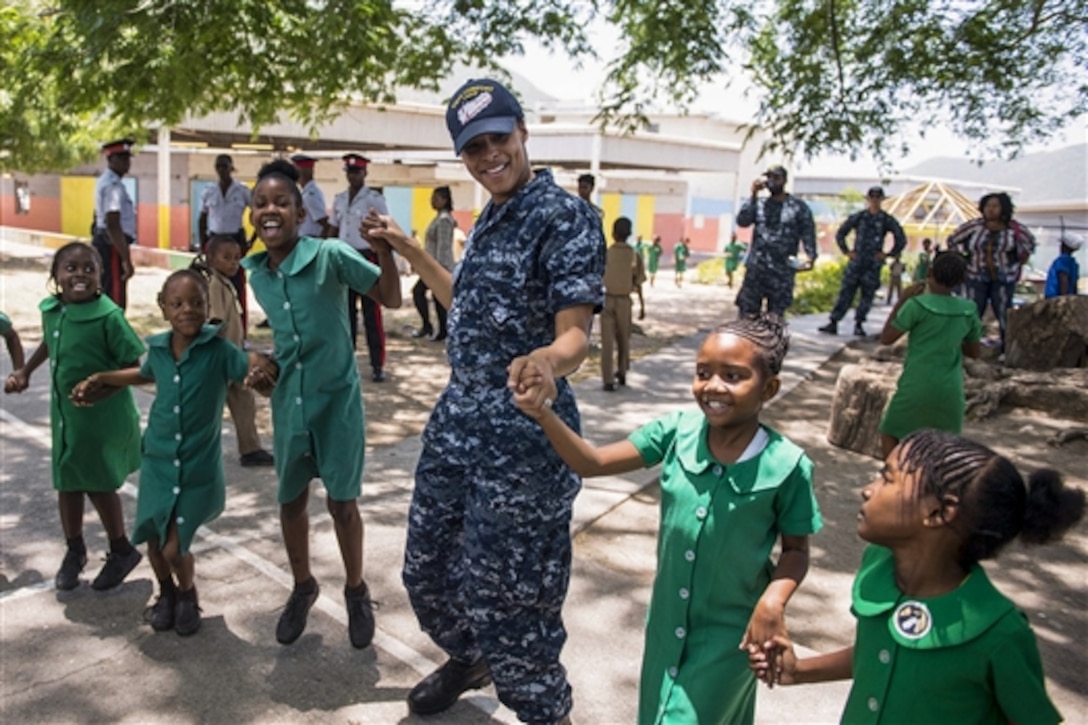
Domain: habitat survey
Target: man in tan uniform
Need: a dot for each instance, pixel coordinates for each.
(622, 276)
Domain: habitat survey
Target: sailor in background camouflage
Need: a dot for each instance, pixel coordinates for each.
(782, 222)
(488, 555)
(870, 226)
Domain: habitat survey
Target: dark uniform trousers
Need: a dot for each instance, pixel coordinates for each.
(113, 282)
(372, 320)
(763, 282)
(487, 561)
(859, 274)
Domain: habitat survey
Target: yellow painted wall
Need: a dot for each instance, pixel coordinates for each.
(76, 205)
(644, 219)
(422, 213)
(613, 210)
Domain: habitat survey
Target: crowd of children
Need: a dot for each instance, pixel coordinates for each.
(935, 641)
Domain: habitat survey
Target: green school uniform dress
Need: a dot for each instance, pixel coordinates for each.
(655, 251)
(968, 656)
(5, 324)
(317, 404)
(921, 269)
(94, 448)
(734, 251)
(929, 393)
(718, 525)
(181, 475)
(680, 257)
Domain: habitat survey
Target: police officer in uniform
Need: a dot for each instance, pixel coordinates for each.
(487, 560)
(316, 221)
(349, 208)
(115, 221)
(781, 223)
(870, 226)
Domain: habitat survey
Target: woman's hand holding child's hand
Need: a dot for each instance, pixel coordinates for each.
(533, 383)
(263, 372)
(767, 623)
(385, 231)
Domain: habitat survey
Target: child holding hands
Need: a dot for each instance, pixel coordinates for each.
(93, 450)
(317, 410)
(731, 488)
(181, 476)
(942, 329)
(935, 641)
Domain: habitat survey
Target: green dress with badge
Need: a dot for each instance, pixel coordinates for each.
(929, 393)
(181, 475)
(317, 404)
(968, 656)
(94, 448)
(719, 524)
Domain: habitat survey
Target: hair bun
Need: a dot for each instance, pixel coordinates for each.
(1052, 508)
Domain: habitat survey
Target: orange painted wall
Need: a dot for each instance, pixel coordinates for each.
(704, 239)
(670, 227)
(44, 214)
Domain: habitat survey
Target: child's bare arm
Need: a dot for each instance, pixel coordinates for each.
(972, 349)
(777, 664)
(769, 616)
(19, 380)
(386, 291)
(99, 386)
(15, 349)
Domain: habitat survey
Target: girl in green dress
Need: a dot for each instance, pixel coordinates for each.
(93, 449)
(731, 489)
(936, 642)
(942, 330)
(654, 253)
(181, 475)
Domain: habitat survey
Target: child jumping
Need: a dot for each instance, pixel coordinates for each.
(317, 409)
(223, 256)
(942, 330)
(730, 489)
(935, 640)
(94, 449)
(181, 475)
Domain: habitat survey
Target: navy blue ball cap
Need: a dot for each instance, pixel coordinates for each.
(481, 106)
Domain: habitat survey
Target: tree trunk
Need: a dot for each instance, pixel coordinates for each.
(861, 394)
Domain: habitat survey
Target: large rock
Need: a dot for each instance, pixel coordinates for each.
(863, 390)
(1048, 334)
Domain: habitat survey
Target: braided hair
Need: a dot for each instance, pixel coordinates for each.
(193, 274)
(769, 333)
(995, 504)
(949, 269)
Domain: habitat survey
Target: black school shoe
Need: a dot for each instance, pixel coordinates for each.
(67, 577)
(439, 690)
(360, 616)
(187, 613)
(259, 457)
(161, 614)
(116, 569)
(293, 620)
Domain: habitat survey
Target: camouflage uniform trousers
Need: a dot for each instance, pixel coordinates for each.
(487, 561)
(766, 283)
(867, 278)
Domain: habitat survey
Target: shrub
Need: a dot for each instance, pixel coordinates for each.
(817, 289)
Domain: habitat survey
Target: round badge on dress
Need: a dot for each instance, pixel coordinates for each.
(913, 620)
